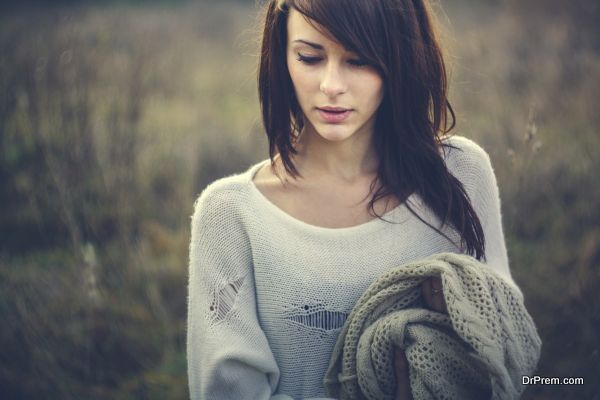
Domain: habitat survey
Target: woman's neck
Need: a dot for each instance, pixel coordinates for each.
(348, 160)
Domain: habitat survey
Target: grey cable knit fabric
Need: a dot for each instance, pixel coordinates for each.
(479, 350)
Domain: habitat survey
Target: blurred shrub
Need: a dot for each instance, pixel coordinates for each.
(64, 337)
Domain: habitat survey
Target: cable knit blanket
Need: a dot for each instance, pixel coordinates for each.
(479, 350)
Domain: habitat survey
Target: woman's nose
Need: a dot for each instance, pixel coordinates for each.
(332, 82)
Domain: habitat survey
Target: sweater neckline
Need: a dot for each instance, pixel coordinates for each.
(369, 226)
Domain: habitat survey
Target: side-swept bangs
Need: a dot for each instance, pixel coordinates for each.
(358, 25)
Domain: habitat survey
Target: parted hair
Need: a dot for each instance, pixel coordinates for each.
(397, 38)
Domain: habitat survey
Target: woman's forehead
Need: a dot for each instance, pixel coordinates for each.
(300, 28)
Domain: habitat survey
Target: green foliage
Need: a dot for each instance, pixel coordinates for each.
(113, 119)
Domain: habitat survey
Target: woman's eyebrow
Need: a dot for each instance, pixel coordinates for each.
(311, 44)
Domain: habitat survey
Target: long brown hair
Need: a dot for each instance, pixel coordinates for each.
(397, 38)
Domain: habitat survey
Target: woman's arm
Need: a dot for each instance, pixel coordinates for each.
(482, 188)
(228, 353)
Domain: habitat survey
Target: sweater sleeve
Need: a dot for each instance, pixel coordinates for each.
(228, 353)
(482, 187)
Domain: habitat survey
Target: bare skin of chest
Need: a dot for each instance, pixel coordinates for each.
(324, 202)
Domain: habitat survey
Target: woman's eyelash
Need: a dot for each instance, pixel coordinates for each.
(358, 62)
(308, 60)
(314, 60)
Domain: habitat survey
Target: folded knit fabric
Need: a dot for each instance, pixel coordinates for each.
(479, 350)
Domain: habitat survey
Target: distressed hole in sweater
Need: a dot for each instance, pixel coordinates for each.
(224, 299)
(320, 318)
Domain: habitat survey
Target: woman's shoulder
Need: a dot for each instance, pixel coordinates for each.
(462, 154)
(227, 193)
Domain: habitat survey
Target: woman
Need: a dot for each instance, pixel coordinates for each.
(360, 179)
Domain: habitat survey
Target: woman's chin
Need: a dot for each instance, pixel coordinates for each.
(335, 135)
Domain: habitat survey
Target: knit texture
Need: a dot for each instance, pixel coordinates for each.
(479, 350)
(269, 294)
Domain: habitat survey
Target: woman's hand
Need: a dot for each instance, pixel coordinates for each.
(403, 391)
(433, 294)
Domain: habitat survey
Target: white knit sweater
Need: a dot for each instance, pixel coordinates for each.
(268, 293)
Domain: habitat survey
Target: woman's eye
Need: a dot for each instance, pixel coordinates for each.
(308, 60)
(357, 62)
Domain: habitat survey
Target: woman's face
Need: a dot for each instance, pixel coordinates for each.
(326, 76)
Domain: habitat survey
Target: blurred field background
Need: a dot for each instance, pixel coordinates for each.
(115, 115)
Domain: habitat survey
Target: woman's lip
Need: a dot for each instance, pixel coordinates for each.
(330, 116)
(329, 108)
